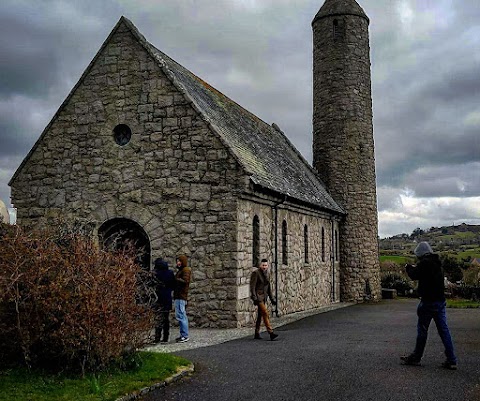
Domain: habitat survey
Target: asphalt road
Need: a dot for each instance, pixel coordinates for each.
(347, 354)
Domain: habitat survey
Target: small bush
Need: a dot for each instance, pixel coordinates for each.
(397, 282)
(66, 303)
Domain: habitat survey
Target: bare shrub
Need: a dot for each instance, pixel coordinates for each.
(66, 303)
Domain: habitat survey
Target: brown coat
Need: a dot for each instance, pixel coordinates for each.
(182, 282)
(260, 286)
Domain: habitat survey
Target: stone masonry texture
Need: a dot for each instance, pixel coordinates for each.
(184, 185)
(343, 145)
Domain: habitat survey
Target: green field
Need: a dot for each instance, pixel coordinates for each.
(472, 253)
(401, 260)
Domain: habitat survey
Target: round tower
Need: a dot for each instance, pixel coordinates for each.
(343, 147)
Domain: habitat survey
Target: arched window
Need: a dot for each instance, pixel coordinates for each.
(284, 243)
(323, 244)
(256, 241)
(336, 245)
(305, 240)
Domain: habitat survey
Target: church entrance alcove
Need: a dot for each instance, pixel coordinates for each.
(120, 233)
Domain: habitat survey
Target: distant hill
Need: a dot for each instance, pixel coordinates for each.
(463, 240)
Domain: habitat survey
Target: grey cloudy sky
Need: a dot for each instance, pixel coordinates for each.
(425, 81)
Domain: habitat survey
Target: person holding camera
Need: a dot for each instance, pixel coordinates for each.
(260, 289)
(429, 273)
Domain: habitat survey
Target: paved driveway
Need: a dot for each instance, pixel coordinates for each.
(346, 354)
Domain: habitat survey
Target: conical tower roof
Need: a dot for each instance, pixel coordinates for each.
(340, 7)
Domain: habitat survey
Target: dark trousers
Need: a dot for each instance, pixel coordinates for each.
(162, 324)
(427, 311)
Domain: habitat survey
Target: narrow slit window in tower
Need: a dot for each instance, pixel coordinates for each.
(336, 30)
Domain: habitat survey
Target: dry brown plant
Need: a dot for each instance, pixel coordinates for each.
(66, 303)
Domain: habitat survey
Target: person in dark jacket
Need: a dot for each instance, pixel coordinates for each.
(164, 285)
(429, 273)
(180, 295)
(260, 289)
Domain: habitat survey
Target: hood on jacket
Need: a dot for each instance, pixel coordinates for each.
(183, 260)
(160, 264)
(422, 249)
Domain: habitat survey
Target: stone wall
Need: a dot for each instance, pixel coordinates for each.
(301, 286)
(175, 177)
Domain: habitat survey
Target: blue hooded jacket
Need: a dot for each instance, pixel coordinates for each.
(165, 283)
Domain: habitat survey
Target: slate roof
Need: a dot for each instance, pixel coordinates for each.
(263, 151)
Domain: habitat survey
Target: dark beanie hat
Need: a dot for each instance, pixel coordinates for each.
(161, 264)
(183, 260)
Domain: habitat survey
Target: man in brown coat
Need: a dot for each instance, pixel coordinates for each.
(180, 296)
(259, 291)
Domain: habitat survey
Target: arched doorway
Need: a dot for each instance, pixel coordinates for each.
(120, 233)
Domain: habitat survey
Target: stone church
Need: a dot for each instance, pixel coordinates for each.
(144, 149)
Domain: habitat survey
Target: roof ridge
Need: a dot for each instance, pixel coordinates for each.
(163, 60)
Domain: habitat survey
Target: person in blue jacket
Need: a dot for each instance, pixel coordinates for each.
(164, 285)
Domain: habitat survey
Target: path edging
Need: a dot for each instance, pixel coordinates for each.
(182, 372)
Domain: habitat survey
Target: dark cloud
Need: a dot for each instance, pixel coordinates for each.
(27, 66)
(425, 76)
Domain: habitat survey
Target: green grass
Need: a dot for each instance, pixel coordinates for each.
(401, 260)
(462, 303)
(473, 253)
(21, 385)
(458, 235)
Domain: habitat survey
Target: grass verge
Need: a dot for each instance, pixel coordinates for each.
(462, 303)
(22, 385)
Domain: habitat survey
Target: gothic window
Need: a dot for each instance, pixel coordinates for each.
(305, 239)
(323, 244)
(256, 241)
(284, 243)
(122, 134)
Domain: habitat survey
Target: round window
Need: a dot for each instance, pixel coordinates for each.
(122, 134)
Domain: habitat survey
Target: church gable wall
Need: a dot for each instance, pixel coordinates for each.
(174, 173)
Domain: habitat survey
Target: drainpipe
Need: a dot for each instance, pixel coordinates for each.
(275, 208)
(332, 258)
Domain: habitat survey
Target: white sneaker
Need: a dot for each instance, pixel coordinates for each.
(182, 339)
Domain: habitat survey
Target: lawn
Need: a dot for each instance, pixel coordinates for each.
(462, 303)
(21, 385)
(473, 253)
(401, 260)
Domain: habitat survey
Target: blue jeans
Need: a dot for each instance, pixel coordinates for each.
(427, 311)
(181, 316)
